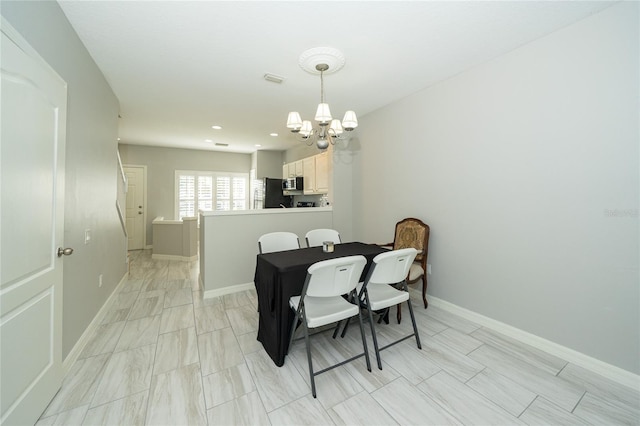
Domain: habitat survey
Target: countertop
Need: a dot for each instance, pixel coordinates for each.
(292, 210)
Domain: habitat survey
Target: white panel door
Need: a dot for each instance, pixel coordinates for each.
(34, 102)
(135, 207)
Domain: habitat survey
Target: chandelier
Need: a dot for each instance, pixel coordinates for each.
(328, 130)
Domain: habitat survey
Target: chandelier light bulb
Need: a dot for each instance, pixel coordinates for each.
(323, 114)
(350, 121)
(294, 122)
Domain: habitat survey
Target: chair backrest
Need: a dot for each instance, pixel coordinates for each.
(333, 277)
(316, 237)
(412, 232)
(391, 267)
(278, 241)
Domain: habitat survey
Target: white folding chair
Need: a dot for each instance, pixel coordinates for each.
(321, 303)
(316, 237)
(376, 293)
(278, 241)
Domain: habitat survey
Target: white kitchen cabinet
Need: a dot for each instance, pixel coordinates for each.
(316, 174)
(295, 169)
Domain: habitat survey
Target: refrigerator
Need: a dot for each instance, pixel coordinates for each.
(272, 194)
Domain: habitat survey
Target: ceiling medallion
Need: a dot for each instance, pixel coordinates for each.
(311, 58)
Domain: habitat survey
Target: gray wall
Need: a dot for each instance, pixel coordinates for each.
(91, 164)
(161, 166)
(526, 168)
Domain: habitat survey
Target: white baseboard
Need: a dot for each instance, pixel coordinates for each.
(173, 257)
(91, 329)
(623, 377)
(208, 294)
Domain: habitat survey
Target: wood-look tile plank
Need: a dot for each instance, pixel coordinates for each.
(246, 410)
(562, 392)
(501, 390)
(303, 411)
(79, 385)
(140, 332)
(70, 417)
(457, 340)
(176, 349)
(128, 411)
(360, 409)
(249, 342)
(236, 300)
(183, 296)
(409, 361)
(227, 384)
(243, 319)
(219, 350)
(211, 318)
(277, 386)
(149, 303)
(526, 353)
(408, 406)
(601, 386)
(176, 398)
(450, 320)
(468, 406)
(126, 373)
(598, 410)
(177, 318)
(541, 412)
(104, 340)
(458, 365)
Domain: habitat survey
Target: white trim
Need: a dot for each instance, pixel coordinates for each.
(623, 377)
(91, 329)
(208, 294)
(173, 257)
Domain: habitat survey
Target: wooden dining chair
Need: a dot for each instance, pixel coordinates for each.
(412, 232)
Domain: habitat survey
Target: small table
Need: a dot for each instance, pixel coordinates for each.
(279, 276)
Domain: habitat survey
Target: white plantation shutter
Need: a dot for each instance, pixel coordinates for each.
(186, 196)
(196, 190)
(239, 193)
(223, 193)
(205, 193)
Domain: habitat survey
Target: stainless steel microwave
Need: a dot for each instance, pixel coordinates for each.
(293, 184)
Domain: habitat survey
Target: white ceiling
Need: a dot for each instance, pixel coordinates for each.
(179, 67)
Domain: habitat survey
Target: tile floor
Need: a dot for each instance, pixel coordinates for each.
(165, 356)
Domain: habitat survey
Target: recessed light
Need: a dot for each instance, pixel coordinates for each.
(216, 127)
(208, 140)
(258, 145)
(273, 134)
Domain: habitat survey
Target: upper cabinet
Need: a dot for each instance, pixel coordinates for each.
(291, 170)
(316, 174)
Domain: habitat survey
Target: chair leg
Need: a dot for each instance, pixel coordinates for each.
(424, 290)
(373, 335)
(308, 344)
(364, 339)
(399, 314)
(413, 322)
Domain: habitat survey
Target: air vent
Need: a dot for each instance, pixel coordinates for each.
(273, 78)
(221, 144)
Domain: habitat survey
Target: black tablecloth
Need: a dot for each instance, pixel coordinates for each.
(281, 275)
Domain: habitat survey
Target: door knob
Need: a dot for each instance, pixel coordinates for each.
(64, 251)
(139, 212)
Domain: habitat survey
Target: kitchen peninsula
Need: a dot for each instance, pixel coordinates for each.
(229, 242)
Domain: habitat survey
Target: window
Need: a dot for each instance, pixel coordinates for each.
(203, 190)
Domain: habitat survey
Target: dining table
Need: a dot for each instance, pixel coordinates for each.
(280, 275)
